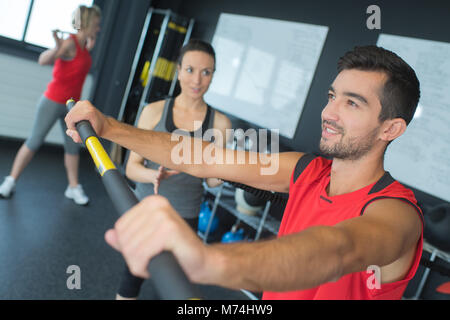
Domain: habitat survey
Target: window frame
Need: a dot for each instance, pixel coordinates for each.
(22, 48)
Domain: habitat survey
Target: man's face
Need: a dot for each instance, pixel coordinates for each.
(350, 125)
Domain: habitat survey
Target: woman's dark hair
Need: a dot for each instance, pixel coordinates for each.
(401, 92)
(196, 45)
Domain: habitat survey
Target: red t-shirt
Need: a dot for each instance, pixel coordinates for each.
(309, 205)
(69, 76)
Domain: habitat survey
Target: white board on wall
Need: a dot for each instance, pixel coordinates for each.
(264, 69)
(421, 156)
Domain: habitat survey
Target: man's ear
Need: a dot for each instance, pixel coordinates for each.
(393, 128)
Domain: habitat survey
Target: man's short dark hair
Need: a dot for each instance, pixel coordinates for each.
(401, 92)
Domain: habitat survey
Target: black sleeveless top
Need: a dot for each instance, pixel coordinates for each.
(182, 190)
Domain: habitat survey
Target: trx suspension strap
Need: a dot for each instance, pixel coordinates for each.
(170, 281)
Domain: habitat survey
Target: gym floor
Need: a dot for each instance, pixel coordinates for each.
(42, 233)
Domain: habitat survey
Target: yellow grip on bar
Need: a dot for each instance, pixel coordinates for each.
(99, 155)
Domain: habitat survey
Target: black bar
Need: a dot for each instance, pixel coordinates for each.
(169, 279)
(117, 188)
(85, 130)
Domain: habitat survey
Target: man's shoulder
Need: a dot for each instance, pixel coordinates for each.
(310, 164)
(388, 186)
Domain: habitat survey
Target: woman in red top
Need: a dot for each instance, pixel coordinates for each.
(72, 62)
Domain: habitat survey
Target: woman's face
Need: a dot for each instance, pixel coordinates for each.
(195, 73)
(93, 27)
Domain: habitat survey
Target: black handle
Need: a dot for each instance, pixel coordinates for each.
(169, 279)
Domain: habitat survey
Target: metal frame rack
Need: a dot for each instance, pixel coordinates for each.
(153, 74)
(224, 197)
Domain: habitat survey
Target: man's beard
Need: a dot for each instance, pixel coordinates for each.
(352, 149)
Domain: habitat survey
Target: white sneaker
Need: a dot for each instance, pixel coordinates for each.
(77, 194)
(7, 187)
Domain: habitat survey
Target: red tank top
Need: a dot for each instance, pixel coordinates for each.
(309, 205)
(69, 76)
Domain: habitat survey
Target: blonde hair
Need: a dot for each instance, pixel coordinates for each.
(82, 16)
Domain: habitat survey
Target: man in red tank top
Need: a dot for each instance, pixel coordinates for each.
(349, 230)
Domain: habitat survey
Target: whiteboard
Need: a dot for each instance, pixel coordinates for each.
(264, 69)
(420, 157)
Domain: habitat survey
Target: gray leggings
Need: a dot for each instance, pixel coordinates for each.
(47, 113)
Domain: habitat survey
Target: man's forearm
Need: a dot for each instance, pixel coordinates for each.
(295, 262)
(153, 145)
(200, 158)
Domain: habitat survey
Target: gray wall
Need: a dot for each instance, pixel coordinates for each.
(121, 30)
(22, 84)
